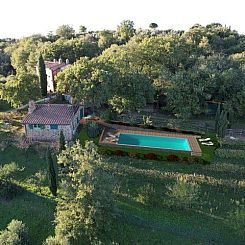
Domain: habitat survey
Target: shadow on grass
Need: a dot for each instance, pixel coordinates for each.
(181, 223)
(35, 211)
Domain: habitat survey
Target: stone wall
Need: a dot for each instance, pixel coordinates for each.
(48, 134)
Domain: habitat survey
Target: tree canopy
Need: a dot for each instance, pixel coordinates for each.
(86, 202)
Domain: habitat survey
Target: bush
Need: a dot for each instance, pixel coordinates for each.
(15, 234)
(182, 193)
(119, 153)
(93, 129)
(133, 155)
(109, 115)
(147, 195)
(173, 158)
(150, 156)
(57, 241)
(147, 121)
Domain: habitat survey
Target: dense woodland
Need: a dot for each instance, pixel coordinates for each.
(128, 68)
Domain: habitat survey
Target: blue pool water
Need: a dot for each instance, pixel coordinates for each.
(154, 141)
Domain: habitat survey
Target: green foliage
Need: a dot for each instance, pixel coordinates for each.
(65, 31)
(183, 193)
(8, 170)
(62, 141)
(42, 75)
(217, 116)
(52, 174)
(82, 29)
(147, 121)
(147, 195)
(86, 203)
(153, 25)
(93, 129)
(106, 39)
(71, 49)
(57, 241)
(126, 30)
(7, 189)
(230, 153)
(222, 124)
(20, 88)
(108, 115)
(16, 233)
(236, 219)
(38, 179)
(24, 53)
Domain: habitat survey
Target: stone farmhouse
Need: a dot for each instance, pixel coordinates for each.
(44, 122)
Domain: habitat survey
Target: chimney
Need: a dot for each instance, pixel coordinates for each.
(60, 60)
(32, 107)
(67, 62)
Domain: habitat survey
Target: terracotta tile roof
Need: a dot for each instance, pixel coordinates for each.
(54, 65)
(51, 114)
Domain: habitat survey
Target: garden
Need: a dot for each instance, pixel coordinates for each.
(159, 199)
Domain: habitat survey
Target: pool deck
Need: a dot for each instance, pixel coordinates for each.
(106, 139)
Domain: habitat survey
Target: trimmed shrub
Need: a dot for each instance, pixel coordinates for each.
(173, 158)
(119, 153)
(133, 155)
(150, 156)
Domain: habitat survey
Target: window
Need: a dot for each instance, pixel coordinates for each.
(41, 126)
(38, 126)
(30, 126)
(53, 126)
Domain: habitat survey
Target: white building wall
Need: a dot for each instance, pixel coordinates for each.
(50, 80)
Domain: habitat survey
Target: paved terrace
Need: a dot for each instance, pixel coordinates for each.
(117, 129)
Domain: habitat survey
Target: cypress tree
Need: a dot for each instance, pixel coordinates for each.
(62, 141)
(52, 174)
(42, 76)
(224, 124)
(217, 118)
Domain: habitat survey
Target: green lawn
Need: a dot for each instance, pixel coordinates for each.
(35, 209)
(137, 223)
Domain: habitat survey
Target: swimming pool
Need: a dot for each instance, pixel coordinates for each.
(152, 141)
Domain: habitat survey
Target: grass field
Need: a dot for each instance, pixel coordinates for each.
(206, 222)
